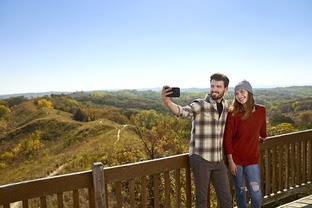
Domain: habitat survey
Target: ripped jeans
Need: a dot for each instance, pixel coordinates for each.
(252, 176)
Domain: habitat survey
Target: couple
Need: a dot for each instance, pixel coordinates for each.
(236, 128)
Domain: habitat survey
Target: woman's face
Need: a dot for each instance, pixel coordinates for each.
(241, 96)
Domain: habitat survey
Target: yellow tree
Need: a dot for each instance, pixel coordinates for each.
(281, 128)
(4, 112)
(44, 103)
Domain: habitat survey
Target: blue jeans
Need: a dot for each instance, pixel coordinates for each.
(252, 176)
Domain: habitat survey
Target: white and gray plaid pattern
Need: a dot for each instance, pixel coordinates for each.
(207, 127)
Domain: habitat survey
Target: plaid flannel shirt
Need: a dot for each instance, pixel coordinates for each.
(207, 128)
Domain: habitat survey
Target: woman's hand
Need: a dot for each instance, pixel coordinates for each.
(233, 168)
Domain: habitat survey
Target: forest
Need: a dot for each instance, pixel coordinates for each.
(68, 132)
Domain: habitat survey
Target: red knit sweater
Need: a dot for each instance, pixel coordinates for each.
(241, 137)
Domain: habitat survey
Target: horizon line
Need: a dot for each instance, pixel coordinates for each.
(141, 89)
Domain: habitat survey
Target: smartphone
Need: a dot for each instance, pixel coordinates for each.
(175, 92)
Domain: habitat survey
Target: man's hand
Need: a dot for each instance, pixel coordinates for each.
(164, 93)
(167, 100)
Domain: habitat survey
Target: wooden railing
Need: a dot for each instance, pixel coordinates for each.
(285, 166)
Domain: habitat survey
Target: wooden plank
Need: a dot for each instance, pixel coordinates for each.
(25, 204)
(310, 160)
(188, 187)
(167, 189)
(178, 188)
(274, 167)
(43, 202)
(44, 186)
(150, 167)
(292, 164)
(280, 172)
(304, 162)
(156, 190)
(144, 192)
(298, 163)
(287, 162)
(60, 200)
(267, 173)
(91, 197)
(76, 198)
(106, 195)
(99, 185)
(132, 193)
(118, 187)
(261, 174)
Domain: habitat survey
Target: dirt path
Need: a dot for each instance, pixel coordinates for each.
(118, 134)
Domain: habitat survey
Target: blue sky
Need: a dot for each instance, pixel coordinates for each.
(73, 45)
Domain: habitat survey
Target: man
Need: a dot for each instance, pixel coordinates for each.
(206, 145)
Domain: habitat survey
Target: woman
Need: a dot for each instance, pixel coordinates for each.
(245, 126)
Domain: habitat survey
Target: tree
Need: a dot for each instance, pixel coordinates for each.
(161, 135)
(4, 112)
(143, 123)
(44, 103)
(16, 100)
(278, 118)
(305, 120)
(281, 128)
(28, 146)
(80, 116)
(65, 103)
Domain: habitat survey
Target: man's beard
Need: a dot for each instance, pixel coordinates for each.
(216, 95)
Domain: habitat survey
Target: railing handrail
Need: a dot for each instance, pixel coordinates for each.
(148, 167)
(10, 193)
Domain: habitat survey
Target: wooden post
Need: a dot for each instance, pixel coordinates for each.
(99, 185)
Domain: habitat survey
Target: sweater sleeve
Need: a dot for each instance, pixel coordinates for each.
(263, 132)
(228, 134)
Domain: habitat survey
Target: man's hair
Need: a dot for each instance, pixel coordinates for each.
(220, 77)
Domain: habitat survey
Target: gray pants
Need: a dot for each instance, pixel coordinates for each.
(203, 170)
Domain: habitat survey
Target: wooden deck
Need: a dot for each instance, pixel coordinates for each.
(305, 202)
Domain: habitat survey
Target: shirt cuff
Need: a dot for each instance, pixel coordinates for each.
(180, 112)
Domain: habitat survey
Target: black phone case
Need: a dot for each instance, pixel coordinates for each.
(175, 92)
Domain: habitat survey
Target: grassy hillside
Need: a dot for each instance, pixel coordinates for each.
(64, 143)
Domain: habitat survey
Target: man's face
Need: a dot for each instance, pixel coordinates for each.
(217, 89)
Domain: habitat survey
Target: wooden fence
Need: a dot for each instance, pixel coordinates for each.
(285, 166)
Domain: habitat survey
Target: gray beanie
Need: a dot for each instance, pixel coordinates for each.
(245, 85)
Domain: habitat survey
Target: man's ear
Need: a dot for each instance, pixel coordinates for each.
(226, 89)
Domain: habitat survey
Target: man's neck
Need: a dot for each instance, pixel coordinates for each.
(218, 100)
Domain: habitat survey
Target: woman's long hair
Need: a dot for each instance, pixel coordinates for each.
(246, 109)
